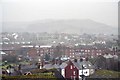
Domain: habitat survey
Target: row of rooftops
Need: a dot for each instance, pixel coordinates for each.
(3, 48)
(77, 63)
(67, 47)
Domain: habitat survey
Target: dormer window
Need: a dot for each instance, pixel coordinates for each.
(84, 66)
(89, 64)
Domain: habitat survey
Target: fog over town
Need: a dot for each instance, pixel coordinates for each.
(59, 39)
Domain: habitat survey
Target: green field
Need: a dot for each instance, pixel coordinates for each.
(106, 74)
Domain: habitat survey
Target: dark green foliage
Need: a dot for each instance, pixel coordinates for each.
(37, 74)
(105, 63)
(47, 57)
(10, 58)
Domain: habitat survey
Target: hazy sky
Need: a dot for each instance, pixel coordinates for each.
(104, 11)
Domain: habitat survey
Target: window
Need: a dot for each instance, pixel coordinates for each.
(97, 54)
(85, 50)
(63, 72)
(37, 51)
(74, 73)
(71, 67)
(92, 71)
(85, 72)
(88, 50)
(82, 50)
(74, 66)
(74, 77)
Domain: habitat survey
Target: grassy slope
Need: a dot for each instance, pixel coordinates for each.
(105, 74)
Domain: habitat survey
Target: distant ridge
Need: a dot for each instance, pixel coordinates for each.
(65, 26)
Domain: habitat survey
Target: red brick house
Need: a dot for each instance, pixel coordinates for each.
(75, 68)
(71, 71)
(32, 53)
(36, 51)
(85, 51)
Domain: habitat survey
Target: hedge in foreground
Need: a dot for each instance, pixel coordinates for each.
(41, 76)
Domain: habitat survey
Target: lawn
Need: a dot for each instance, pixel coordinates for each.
(105, 74)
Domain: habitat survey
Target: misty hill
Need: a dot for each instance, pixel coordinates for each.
(66, 26)
(14, 26)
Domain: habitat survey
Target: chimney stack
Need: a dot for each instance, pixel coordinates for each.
(75, 60)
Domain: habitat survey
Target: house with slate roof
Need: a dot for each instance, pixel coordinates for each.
(27, 68)
(73, 69)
